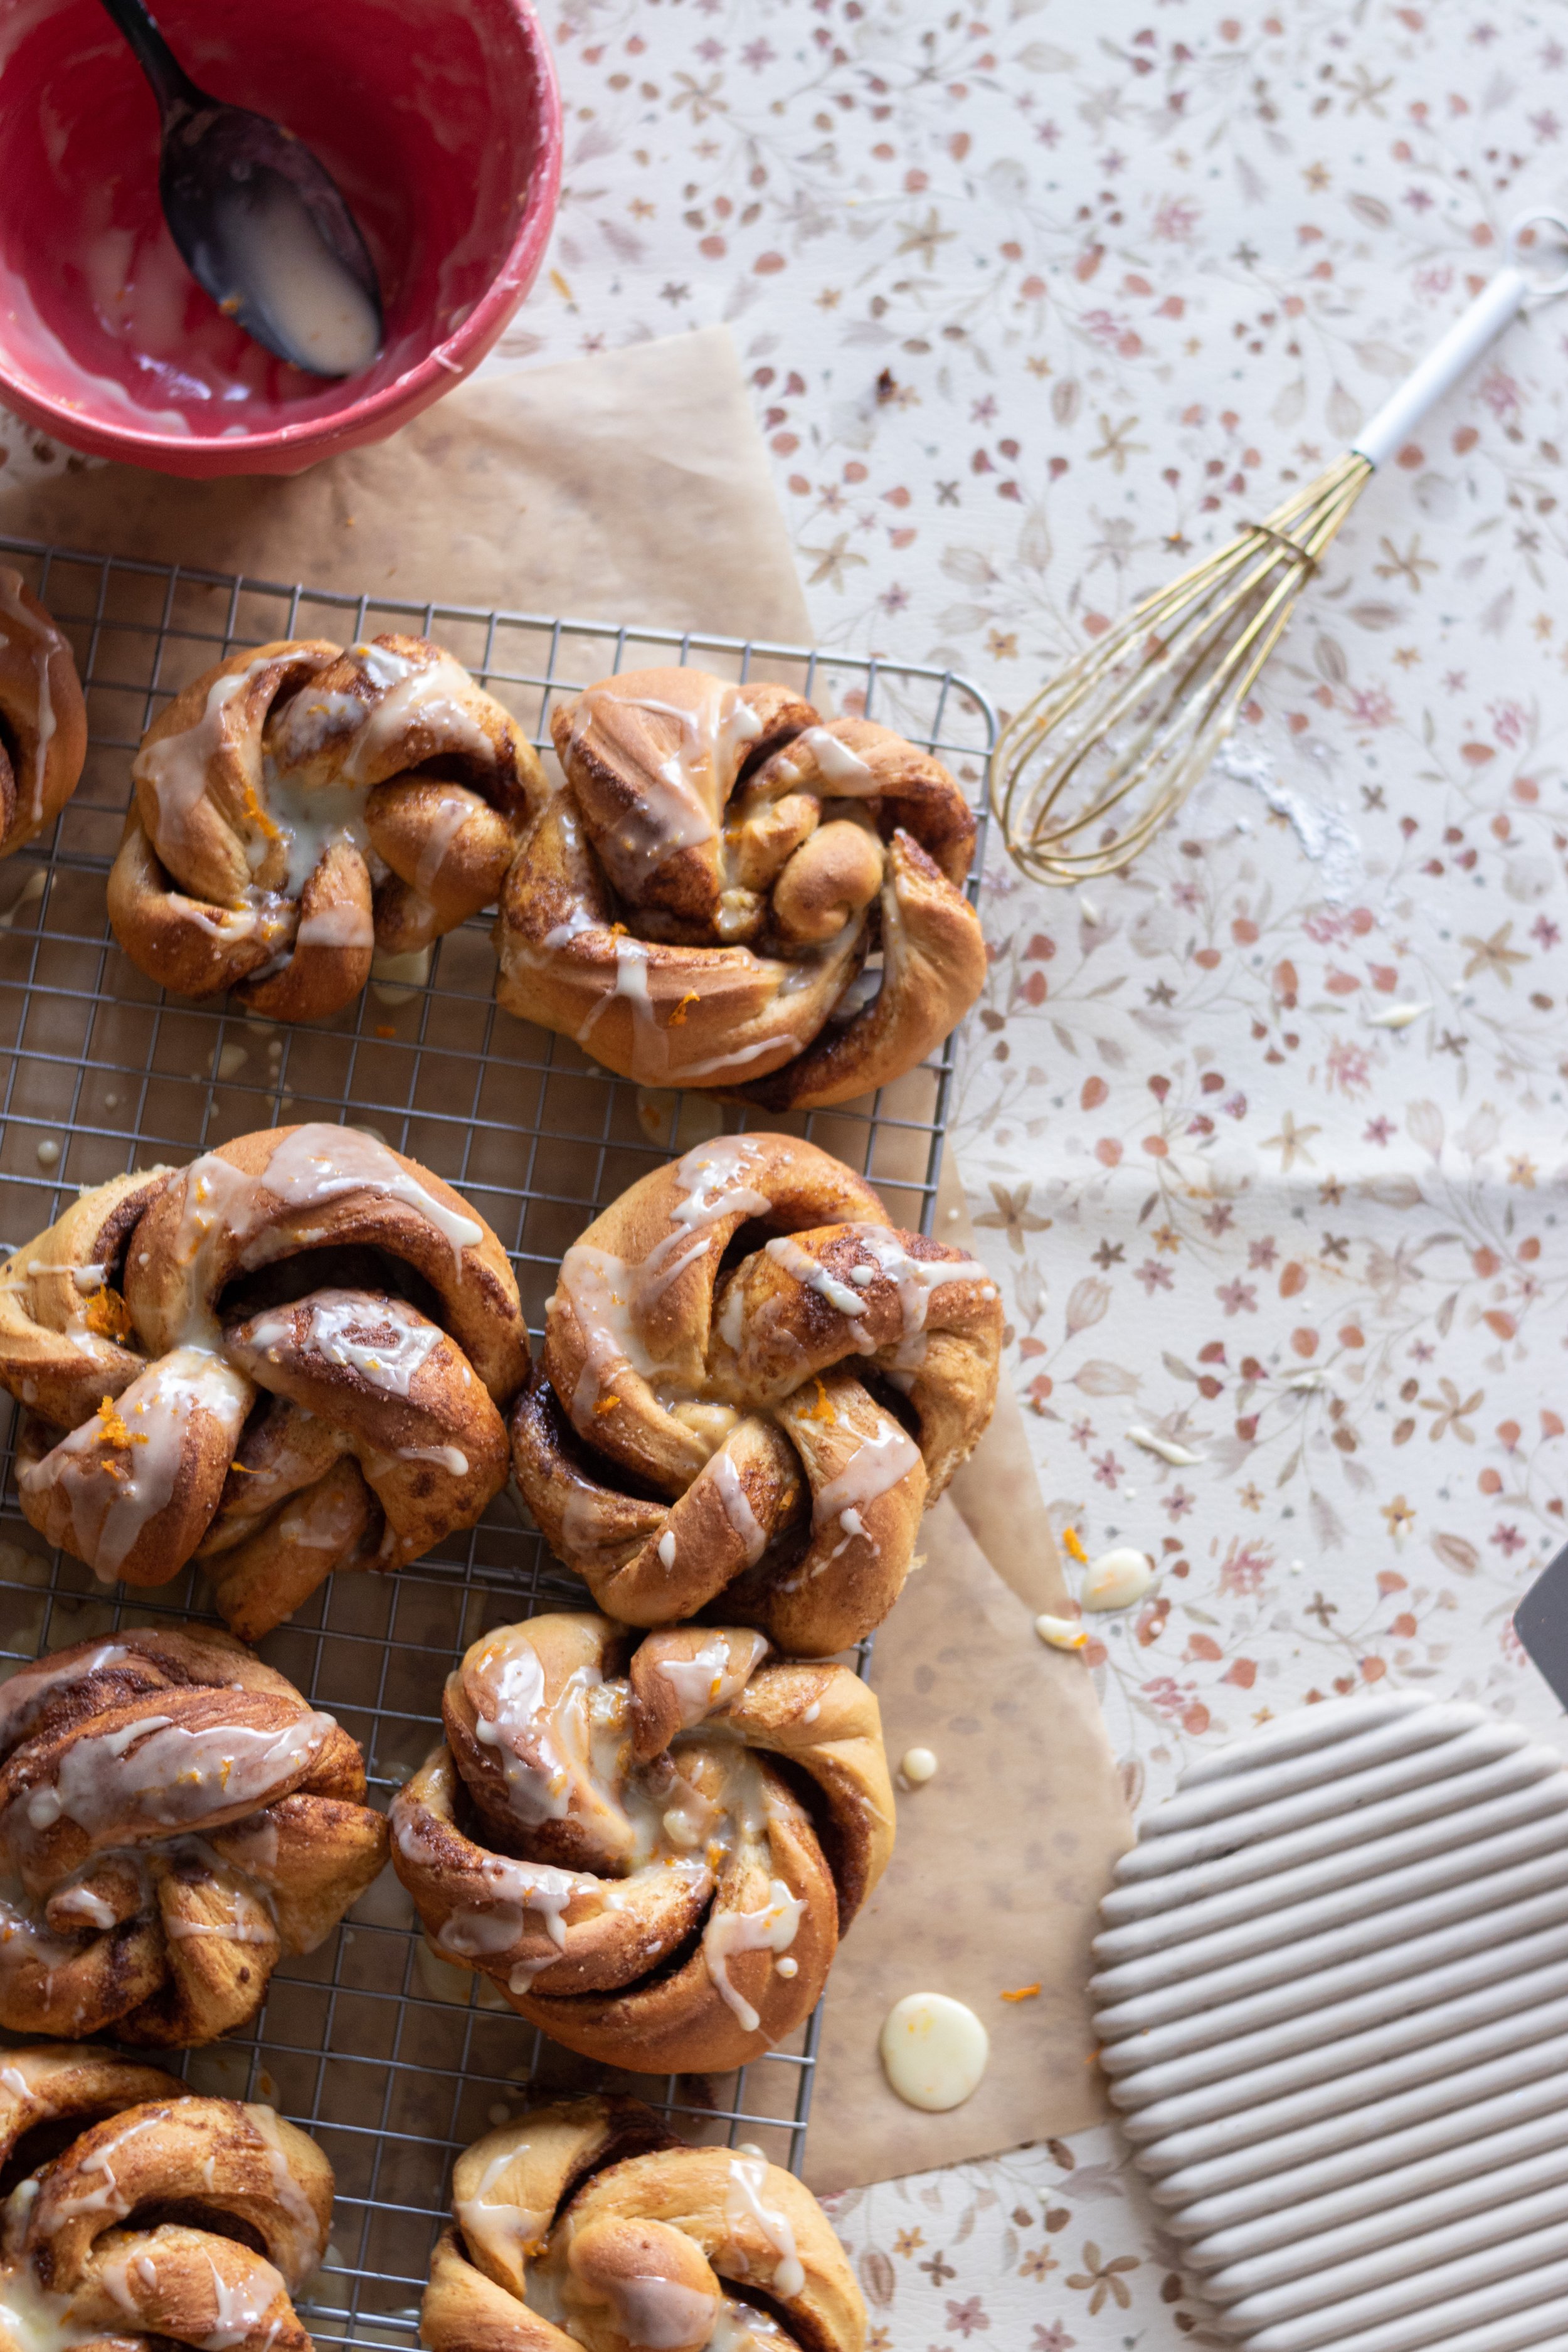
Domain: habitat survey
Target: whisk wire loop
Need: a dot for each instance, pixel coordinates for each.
(1138, 715)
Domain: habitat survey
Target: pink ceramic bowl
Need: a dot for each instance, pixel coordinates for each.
(441, 122)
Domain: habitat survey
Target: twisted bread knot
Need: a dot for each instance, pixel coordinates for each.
(697, 905)
(173, 1818)
(86, 2259)
(772, 1401)
(584, 1824)
(300, 806)
(586, 2226)
(43, 719)
(285, 1359)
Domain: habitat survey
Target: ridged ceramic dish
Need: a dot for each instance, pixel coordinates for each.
(1334, 2013)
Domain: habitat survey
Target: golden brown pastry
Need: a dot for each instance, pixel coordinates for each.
(586, 2226)
(610, 1839)
(165, 2218)
(173, 1818)
(301, 806)
(759, 1437)
(288, 1358)
(43, 719)
(698, 906)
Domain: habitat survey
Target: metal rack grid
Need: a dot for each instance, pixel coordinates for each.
(393, 2059)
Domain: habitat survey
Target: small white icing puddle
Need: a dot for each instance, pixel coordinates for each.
(1116, 1580)
(1062, 1632)
(917, 1766)
(933, 2051)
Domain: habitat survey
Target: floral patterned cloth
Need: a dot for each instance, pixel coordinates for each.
(1267, 1138)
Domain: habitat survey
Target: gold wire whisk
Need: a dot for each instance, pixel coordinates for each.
(1094, 765)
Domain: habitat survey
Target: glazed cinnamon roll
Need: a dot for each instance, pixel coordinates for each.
(698, 904)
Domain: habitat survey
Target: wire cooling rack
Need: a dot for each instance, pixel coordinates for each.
(393, 2059)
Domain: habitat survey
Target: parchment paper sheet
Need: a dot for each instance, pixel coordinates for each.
(634, 486)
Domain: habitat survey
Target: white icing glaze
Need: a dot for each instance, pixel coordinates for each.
(297, 281)
(311, 2236)
(609, 1295)
(451, 1458)
(343, 926)
(917, 1280)
(802, 1267)
(385, 1340)
(176, 767)
(650, 1044)
(319, 1163)
(309, 816)
(113, 1491)
(433, 695)
(842, 768)
(103, 2193)
(519, 1889)
(542, 1749)
(699, 1683)
(31, 2320)
(737, 1058)
(578, 922)
(933, 2051)
(25, 1693)
(744, 2202)
(730, 1320)
(666, 1547)
(240, 2305)
(772, 1929)
(507, 2231)
(445, 822)
(682, 798)
(738, 1510)
(659, 2314)
(157, 1773)
(601, 1289)
(48, 641)
(1116, 1580)
(877, 1465)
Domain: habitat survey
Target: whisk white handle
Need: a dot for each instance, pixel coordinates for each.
(1464, 341)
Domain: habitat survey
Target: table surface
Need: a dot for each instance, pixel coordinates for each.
(1035, 302)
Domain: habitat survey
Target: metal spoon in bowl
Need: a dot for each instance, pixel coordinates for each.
(260, 220)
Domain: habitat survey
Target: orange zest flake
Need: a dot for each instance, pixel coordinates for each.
(244, 1473)
(678, 1018)
(384, 1029)
(256, 814)
(607, 1404)
(617, 931)
(1070, 1538)
(1025, 1992)
(108, 1314)
(822, 1409)
(114, 1431)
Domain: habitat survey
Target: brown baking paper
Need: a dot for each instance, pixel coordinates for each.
(635, 488)
(1002, 1859)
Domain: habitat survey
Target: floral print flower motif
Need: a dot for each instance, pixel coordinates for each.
(1099, 2279)
(992, 420)
(1012, 1215)
(968, 2318)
